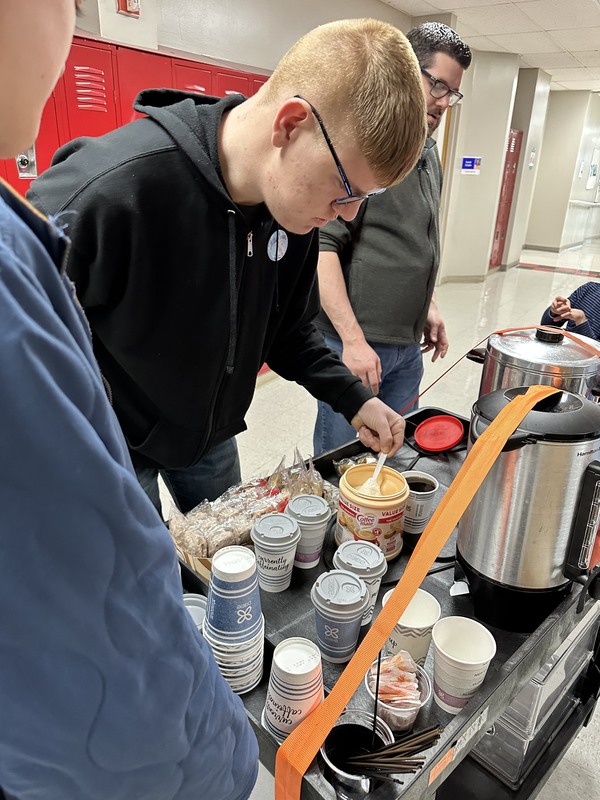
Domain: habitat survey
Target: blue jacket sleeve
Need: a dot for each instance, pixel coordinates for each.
(106, 687)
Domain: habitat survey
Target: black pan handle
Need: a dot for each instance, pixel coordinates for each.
(591, 586)
(585, 524)
(477, 354)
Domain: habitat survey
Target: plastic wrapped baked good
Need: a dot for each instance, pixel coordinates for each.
(228, 520)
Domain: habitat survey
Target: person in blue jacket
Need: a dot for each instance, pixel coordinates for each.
(580, 311)
(195, 244)
(107, 690)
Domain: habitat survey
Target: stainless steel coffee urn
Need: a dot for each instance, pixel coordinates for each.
(538, 356)
(518, 546)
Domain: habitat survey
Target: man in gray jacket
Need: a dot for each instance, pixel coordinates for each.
(377, 272)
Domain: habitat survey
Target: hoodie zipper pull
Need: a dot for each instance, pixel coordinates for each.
(250, 251)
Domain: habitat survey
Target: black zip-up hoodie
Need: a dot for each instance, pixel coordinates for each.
(186, 293)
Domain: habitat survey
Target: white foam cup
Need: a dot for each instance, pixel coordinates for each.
(413, 630)
(463, 649)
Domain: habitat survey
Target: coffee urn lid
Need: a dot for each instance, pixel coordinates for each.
(561, 417)
(542, 348)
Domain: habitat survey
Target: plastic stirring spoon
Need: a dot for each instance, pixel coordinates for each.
(371, 485)
(380, 463)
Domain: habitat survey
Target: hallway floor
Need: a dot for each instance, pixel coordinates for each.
(282, 416)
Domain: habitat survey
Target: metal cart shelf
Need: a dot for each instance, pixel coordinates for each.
(519, 656)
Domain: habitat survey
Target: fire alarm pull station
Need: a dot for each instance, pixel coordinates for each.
(130, 8)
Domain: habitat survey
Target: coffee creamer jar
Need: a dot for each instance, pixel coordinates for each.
(372, 518)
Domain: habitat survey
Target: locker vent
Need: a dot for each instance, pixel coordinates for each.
(90, 89)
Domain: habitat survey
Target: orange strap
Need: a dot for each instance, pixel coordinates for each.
(301, 746)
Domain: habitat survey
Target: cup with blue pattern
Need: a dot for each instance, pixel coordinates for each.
(340, 599)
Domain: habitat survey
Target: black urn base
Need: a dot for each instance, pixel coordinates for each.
(505, 607)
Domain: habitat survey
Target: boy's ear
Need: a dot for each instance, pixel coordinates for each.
(292, 116)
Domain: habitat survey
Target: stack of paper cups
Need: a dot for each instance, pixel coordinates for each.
(463, 649)
(312, 514)
(295, 686)
(367, 561)
(234, 625)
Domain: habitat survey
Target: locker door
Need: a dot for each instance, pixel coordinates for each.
(138, 70)
(231, 83)
(192, 78)
(89, 92)
(256, 81)
(21, 171)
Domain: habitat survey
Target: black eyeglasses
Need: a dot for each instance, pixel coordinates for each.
(441, 89)
(352, 198)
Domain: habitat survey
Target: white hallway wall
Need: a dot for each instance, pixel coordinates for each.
(255, 33)
(242, 33)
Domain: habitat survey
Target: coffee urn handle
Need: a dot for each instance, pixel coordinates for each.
(477, 354)
(585, 525)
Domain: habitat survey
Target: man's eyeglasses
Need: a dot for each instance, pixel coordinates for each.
(441, 89)
(352, 198)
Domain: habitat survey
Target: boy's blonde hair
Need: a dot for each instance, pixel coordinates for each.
(364, 79)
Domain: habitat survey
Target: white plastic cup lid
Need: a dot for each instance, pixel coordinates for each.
(233, 563)
(276, 530)
(340, 592)
(362, 558)
(309, 508)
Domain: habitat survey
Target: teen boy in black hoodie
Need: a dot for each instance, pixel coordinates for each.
(195, 249)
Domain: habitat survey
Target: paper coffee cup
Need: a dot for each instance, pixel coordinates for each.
(312, 513)
(275, 538)
(295, 686)
(417, 513)
(233, 610)
(463, 649)
(367, 561)
(413, 630)
(340, 599)
(196, 605)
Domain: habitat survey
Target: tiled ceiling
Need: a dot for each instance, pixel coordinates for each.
(561, 37)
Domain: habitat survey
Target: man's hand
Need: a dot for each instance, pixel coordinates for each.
(561, 309)
(434, 333)
(363, 361)
(379, 427)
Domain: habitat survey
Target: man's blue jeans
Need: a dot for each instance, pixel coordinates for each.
(206, 480)
(401, 374)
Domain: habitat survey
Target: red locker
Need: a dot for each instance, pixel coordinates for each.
(231, 83)
(192, 78)
(139, 70)
(21, 171)
(89, 91)
(511, 163)
(256, 81)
